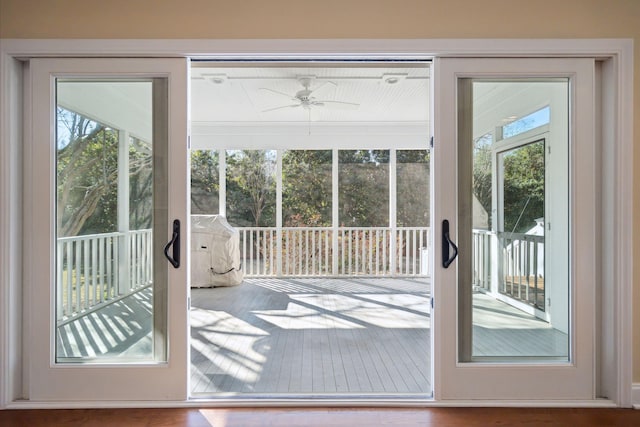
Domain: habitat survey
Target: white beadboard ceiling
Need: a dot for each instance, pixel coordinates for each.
(234, 94)
(228, 103)
(228, 106)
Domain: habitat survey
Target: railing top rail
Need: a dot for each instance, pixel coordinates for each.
(521, 236)
(329, 228)
(140, 231)
(102, 235)
(480, 231)
(90, 236)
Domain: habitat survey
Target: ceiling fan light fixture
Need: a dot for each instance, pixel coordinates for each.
(393, 78)
(216, 78)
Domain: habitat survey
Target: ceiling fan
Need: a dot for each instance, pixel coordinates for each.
(308, 98)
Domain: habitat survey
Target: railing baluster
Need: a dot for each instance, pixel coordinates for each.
(272, 250)
(59, 282)
(287, 252)
(263, 255)
(350, 253)
(83, 288)
(343, 244)
(102, 267)
(109, 260)
(93, 280)
(384, 251)
(306, 250)
(357, 251)
(407, 252)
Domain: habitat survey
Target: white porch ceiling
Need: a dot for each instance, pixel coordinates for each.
(228, 106)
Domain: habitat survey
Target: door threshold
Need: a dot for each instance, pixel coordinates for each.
(314, 399)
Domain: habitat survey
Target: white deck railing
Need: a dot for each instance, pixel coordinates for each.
(92, 271)
(521, 265)
(96, 269)
(325, 251)
(482, 258)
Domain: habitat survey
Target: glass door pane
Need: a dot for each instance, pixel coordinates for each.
(104, 252)
(514, 148)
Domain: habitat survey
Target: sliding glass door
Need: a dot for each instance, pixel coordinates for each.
(106, 311)
(515, 201)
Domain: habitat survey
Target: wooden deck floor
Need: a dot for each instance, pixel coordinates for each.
(312, 336)
(309, 336)
(121, 329)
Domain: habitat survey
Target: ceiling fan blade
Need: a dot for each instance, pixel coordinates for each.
(324, 88)
(338, 105)
(282, 107)
(290, 97)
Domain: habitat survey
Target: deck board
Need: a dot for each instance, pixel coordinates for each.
(324, 336)
(313, 336)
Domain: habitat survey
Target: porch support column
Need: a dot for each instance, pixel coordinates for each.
(124, 242)
(335, 211)
(495, 254)
(393, 241)
(278, 271)
(222, 180)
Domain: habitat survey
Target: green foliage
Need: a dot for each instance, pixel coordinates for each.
(523, 187)
(251, 188)
(140, 185)
(205, 188)
(87, 173)
(412, 186)
(363, 184)
(307, 187)
(306, 192)
(87, 178)
(482, 175)
(523, 183)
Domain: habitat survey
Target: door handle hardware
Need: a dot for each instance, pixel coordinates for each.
(446, 244)
(174, 243)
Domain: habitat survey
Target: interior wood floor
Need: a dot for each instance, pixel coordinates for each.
(209, 417)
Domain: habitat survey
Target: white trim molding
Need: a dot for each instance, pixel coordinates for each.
(635, 396)
(292, 49)
(617, 52)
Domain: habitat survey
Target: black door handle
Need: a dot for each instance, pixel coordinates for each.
(175, 243)
(446, 244)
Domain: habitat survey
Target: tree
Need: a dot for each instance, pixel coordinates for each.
(412, 188)
(482, 180)
(87, 177)
(364, 188)
(87, 173)
(523, 194)
(140, 184)
(251, 188)
(307, 186)
(205, 185)
(523, 183)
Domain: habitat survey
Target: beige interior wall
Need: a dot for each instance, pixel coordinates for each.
(341, 19)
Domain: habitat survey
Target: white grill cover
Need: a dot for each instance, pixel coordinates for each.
(215, 252)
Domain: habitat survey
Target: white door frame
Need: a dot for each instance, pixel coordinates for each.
(520, 380)
(165, 374)
(616, 69)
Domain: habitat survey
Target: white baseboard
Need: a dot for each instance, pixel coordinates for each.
(635, 395)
